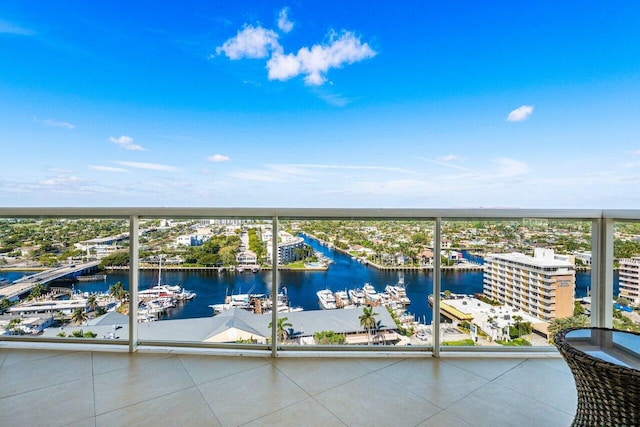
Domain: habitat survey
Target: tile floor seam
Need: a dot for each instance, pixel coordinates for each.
(291, 379)
(44, 388)
(208, 405)
(136, 364)
(144, 401)
(534, 399)
(226, 376)
(79, 421)
(458, 400)
(288, 406)
(383, 367)
(329, 410)
(509, 370)
(485, 378)
(200, 391)
(536, 361)
(99, 374)
(39, 358)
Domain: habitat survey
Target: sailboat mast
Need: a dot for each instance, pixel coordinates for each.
(160, 271)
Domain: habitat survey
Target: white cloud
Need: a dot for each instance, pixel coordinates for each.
(250, 42)
(150, 166)
(55, 123)
(61, 180)
(107, 168)
(510, 167)
(314, 63)
(218, 158)
(347, 167)
(521, 113)
(283, 21)
(448, 158)
(10, 28)
(126, 142)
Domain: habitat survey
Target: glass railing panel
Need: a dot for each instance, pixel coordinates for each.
(53, 282)
(205, 281)
(626, 285)
(359, 282)
(502, 309)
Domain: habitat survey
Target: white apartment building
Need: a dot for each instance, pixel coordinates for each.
(629, 276)
(287, 248)
(542, 286)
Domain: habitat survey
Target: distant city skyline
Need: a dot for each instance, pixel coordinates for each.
(416, 104)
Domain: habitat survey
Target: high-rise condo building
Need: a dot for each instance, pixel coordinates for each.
(542, 285)
(629, 274)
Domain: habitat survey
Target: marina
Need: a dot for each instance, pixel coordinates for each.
(344, 275)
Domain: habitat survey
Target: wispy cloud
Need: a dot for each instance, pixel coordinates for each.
(448, 158)
(521, 113)
(7, 27)
(149, 166)
(218, 158)
(250, 42)
(58, 124)
(107, 168)
(61, 180)
(347, 167)
(506, 167)
(307, 172)
(126, 142)
(284, 23)
(448, 161)
(334, 99)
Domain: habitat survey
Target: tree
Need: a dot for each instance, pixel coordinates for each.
(79, 316)
(282, 328)
(118, 292)
(37, 291)
(559, 324)
(13, 326)
(328, 337)
(92, 302)
(368, 321)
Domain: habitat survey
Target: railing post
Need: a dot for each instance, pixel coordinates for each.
(133, 282)
(602, 273)
(274, 287)
(435, 323)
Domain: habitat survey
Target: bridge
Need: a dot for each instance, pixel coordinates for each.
(24, 285)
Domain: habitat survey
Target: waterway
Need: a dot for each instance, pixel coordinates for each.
(345, 273)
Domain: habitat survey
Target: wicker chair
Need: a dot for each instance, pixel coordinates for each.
(608, 394)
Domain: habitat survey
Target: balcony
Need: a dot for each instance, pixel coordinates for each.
(107, 388)
(168, 380)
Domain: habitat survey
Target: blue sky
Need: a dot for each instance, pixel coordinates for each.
(417, 104)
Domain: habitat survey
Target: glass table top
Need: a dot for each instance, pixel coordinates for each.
(617, 347)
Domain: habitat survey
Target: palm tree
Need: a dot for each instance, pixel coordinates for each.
(117, 291)
(517, 323)
(282, 328)
(368, 321)
(92, 302)
(557, 324)
(79, 316)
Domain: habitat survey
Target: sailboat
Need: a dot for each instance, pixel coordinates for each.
(161, 290)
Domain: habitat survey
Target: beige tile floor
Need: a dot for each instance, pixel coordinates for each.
(97, 388)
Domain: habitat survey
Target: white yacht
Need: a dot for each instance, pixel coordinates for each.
(326, 299)
(371, 294)
(357, 297)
